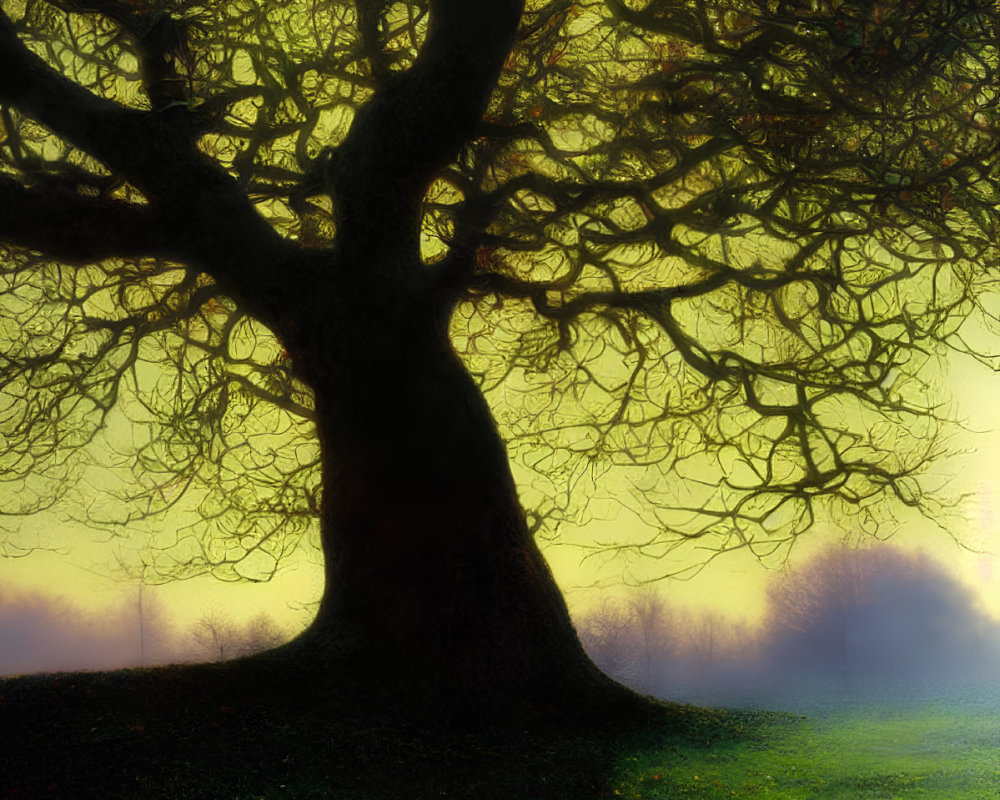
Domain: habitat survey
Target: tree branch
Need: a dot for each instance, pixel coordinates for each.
(216, 225)
(417, 121)
(58, 222)
(158, 41)
(369, 14)
(129, 141)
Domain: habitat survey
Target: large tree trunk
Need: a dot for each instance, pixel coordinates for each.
(433, 581)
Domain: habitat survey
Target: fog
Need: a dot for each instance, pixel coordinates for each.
(847, 627)
(41, 633)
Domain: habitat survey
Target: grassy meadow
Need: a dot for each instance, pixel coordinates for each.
(943, 747)
(218, 733)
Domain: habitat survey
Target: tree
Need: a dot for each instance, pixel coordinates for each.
(48, 634)
(650, 612)
(876, 611)
(663, 650)
(218, 637)
(609, 634)
(706, 636)
(810, 610)
(280, 255)
(260, 633)
(143, 613)
(215, 636)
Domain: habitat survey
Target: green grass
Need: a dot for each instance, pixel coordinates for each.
(932, 751)
(217, 733)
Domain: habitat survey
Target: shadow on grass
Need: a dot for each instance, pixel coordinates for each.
(242, 731)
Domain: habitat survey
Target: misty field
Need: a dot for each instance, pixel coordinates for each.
(944, 747)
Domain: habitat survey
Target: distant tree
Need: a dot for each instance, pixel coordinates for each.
(610, 634)
(215, 637)
(259, 634)
(651, 615)
(706, 635)
(297, 246)
(850, 611)
(218, 637)
(640, 640)
(810, 609)
(142, 617)
(44, 633)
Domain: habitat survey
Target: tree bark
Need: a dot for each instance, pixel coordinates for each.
(433, 579)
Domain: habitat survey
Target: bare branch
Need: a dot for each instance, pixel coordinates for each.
(76, 228)
(216, 226)
(159, 41)
(419, 119)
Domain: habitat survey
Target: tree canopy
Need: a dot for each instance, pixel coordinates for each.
(711, 248)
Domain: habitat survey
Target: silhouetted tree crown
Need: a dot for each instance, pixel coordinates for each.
(710, 248)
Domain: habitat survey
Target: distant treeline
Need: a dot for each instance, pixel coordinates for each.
(851, 621)
(48, 634)
(847, 620)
